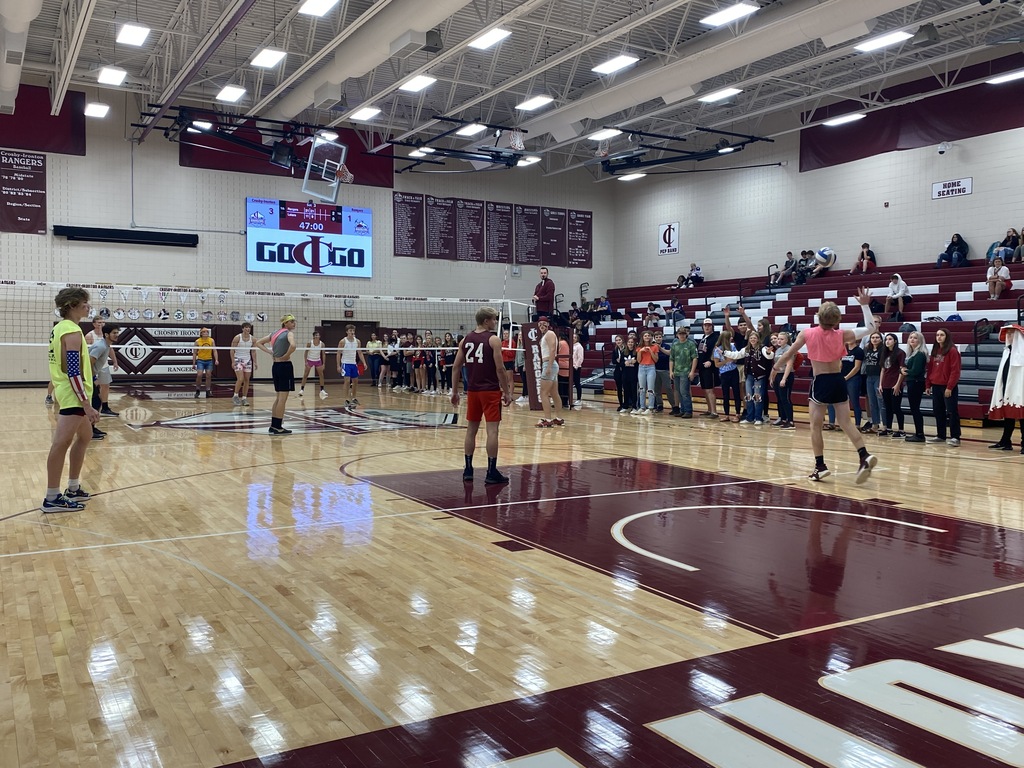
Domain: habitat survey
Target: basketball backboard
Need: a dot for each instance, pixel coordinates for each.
(325, 170)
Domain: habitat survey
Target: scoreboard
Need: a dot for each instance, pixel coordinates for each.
(288, 237)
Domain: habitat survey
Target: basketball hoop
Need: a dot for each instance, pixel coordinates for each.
(602, 148)
(345, 176)
(515, 140)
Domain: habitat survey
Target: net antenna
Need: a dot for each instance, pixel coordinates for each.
(326, 169)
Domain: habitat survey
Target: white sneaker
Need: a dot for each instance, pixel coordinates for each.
(522, 399)
(244, 401)
(236, 400)
(323, 394)
(635, 412)
(953, 442)
(645, 412)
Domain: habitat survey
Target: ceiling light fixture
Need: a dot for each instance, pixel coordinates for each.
(721, 95)
(95, 109)
(730, 14)
(366, 113)
(632, 176)
(614, 65)
(428, 150)
(111, 76)
(490, 38)
(132, 34)
(883, 42)
(317, 7)
(1006, 78)
(534, 103)
(528, 160)
(231, 93)
(268, 57)
(471, 130)
(328, 135)
(605, 133)
(417, 153)
(843, 119)
(206, 125)
(417, 84)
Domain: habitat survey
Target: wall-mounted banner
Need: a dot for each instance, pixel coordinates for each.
(22, 192)
(668, 239)
(952, 188)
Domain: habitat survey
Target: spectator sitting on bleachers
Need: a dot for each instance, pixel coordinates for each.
(653, 318)
(1018, 253)
(998, 279)
(602, 308)
(692, 278)
(898, 295)
(955, 253)
(805, 267)
(780, 276)
(865, 261)
(677, 311)
(1005, 249)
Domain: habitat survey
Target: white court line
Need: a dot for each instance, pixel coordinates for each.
(618, 534)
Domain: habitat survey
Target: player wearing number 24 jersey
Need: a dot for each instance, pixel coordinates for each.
(488, 385)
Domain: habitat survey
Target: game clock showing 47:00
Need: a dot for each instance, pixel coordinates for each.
(294, 238)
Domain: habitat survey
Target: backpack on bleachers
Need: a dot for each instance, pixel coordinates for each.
(933, 319)
(908, 328)
(954, 319)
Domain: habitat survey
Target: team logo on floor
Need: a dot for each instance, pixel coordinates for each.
(350, 421)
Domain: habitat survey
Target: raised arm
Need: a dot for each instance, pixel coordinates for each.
(870, 323)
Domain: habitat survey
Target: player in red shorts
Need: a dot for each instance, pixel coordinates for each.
(488, 387)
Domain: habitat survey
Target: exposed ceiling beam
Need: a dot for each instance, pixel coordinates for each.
(69, 56)
(229, 19)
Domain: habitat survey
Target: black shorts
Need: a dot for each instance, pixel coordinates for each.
(708, 377)
(829, 389)
(72, 412)
(510, 365)
(284, 376)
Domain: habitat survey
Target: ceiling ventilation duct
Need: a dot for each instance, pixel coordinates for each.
(15, 17)
(414, 42)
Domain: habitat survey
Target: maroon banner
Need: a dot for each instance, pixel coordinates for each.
(527, 218)
(408, 225)
(500, 246)
(440, 227)
(469, 230)
(530, 341)
(33, 127)
(580, 236)
(553, 250)
(22, 192)
(203, 150)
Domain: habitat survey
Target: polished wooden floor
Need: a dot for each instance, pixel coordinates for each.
(230, 595)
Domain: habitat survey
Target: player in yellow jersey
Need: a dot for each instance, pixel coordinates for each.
(204, 358)
(71, 375)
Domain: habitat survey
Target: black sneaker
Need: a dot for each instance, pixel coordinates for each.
(61, 504)
(81, 496)
(467, 475)
(864, 470)
(495, 478)
(1001, 446)
(97, 435)
(819, 474)
(914, 438)
(107, 412)
(197, 394)
(279, 431)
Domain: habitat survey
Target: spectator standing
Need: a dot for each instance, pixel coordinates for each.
(682, 370)
(891, 383)
(706, 369)
(662, 377)
(944, 380)
(618, 362)
(872, 370)
(544, 295)
(630, 376)
(915, 368)
(577, 369)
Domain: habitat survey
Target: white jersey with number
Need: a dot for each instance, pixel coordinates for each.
(348, 350)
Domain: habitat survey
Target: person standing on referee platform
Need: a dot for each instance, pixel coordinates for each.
(544, 296)
(282, 346)
(549, 375)
(489, 387)
(71, 374)
(826, 346)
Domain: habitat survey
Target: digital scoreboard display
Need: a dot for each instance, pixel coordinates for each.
(293, 238)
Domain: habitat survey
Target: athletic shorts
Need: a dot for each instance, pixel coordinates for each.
(486, 404)
(829, 389)
(549, 372)
(284, 376)
(509, 365)
(242, 364)
(314, 363)
(708, 377)
(72, 411)
(104, 376)
(350, 371)
(204, 365)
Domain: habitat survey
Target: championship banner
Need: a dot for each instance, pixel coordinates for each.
(22, 192)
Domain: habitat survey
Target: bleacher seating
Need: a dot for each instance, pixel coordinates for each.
(936, 293)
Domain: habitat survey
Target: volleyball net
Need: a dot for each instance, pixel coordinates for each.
(159, 324)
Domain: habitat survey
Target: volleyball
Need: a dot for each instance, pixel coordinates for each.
(825, 257)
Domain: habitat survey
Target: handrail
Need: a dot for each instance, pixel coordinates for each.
(740, 290)
(584, 288)
(977, 339)
(772, 269)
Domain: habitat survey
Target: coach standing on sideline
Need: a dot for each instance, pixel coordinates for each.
(544, 296)
(488, 388)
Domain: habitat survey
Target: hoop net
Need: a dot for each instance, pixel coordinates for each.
(345, 176)
(602, 148)
(516, 140)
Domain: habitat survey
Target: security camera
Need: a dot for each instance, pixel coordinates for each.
(944, 147)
